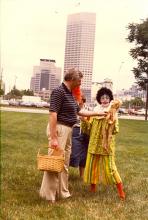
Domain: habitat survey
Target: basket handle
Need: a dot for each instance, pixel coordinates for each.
(54, 152)
(57, 152)
(38, 152)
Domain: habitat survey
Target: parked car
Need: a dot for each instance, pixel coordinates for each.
(41, 104)
(26, 104)
(46, 104)
(141, 111)
(122, 111)
(14, 102)
(4, 102)
(132, 112)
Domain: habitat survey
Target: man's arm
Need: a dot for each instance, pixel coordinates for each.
(53, 129)
(91, 113)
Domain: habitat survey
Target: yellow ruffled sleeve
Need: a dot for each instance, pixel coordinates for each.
(86, 126)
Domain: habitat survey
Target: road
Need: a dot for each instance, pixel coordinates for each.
(29, 110)
(46, 111)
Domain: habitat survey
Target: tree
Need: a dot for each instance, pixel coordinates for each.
(134, 103)
(1, 88)
(17, 94)
(14, 93)
(1, 92)
(137, 102)
(27, 92)
(138, 34)
(126, 104)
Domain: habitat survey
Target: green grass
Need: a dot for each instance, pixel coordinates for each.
(22, 135)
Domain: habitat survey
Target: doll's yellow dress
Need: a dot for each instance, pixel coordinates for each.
(100, 165)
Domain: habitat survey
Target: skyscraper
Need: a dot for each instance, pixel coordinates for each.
(79, 48)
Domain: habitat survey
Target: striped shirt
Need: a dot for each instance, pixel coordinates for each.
(63, 103)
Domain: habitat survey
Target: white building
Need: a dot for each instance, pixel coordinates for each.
(107, 83)
(34, 99)
(79, 48)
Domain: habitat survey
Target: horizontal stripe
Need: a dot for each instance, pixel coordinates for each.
(63, 102)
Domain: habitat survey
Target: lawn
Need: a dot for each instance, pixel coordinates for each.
(21, 136)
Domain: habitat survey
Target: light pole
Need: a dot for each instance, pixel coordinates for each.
(120, 66)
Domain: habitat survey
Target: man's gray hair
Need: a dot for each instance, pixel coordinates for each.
(73, 74)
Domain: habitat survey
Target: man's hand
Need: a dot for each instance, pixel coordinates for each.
(53, 143)
(102, 113)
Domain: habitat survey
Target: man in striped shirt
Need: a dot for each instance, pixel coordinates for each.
(63, 115)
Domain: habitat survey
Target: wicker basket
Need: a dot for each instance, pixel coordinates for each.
(50, 162)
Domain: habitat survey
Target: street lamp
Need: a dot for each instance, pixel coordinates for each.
(120, 66)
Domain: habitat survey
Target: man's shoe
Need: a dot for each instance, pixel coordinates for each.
(66, 197)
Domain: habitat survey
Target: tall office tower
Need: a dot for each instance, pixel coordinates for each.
(46, 76)
(79, 48)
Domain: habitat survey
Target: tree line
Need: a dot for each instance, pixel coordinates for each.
(16, 93)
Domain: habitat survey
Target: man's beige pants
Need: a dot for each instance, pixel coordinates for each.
(54, 184)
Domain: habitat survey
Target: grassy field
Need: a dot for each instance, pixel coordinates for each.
(22, 135)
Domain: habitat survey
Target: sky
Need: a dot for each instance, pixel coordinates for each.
(35, 29)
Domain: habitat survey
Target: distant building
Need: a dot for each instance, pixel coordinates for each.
(124, 95)
(45, 77)
(79, 47)
(132, 93)
(107, 83)
(44, 94)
